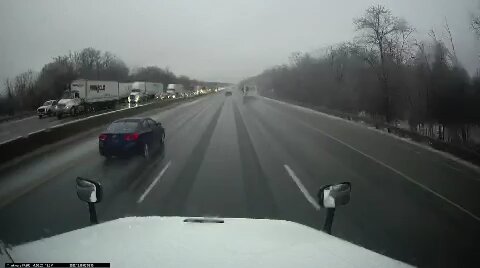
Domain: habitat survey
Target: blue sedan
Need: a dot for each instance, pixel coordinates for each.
(131, 136)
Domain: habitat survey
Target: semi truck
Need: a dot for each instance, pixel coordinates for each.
(85, 95)
(143, 91)
(175, 91)
(124, 90)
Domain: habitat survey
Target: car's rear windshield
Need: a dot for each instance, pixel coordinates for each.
(123, 127)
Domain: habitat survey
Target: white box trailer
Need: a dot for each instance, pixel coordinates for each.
(88, 95)
(148, 88)
(92, 91)
(124, 89)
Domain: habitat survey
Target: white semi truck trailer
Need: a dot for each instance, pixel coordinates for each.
(90, 95)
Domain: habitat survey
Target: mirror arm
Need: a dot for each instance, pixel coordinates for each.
(93, 213)
(327, 227)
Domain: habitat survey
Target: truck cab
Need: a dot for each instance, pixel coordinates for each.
(136, 96)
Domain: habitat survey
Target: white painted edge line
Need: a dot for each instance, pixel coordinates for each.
(105, 113)
(420, 145)
(302, 188)
(92, 116)
(190, 103)
(410, 179)
(23, 119)
(12, 139)
(150, 187)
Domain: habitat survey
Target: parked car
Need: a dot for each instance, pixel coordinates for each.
(228, 93)
(47, 109)
(131, 136)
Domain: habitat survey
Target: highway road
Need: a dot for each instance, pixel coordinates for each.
(229, 156)
(22, 127)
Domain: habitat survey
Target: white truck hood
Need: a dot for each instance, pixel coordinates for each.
(171, 242)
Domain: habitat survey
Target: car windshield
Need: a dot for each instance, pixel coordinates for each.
(123, 127)
(245, 109)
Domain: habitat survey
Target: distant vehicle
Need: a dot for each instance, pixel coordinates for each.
(88, 95)
(142, 91)
(175, 91)
(47, 109)
(131, 136)
(228, 93)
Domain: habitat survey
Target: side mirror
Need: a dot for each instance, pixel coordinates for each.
(331, 196)
(89, 191)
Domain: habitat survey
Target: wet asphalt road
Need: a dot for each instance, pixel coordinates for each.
(13, 129)
(228, 157)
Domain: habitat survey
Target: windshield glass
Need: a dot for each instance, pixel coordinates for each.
(123, 127)
(251, 108)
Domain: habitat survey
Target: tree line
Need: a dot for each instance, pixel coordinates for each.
(29, 89)
(387, 74)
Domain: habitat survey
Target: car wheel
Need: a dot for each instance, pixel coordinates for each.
(146, 151)
(40, 116)
(73, 112)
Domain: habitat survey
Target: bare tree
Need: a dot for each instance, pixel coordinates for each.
(381, 32)
(476, 24)
(453, 54)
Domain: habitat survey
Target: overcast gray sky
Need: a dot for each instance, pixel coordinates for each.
(206, 39)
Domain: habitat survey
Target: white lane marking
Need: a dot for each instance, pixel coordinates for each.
(20, 120)
(150, 187)
(302, 188)
(410, 179)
